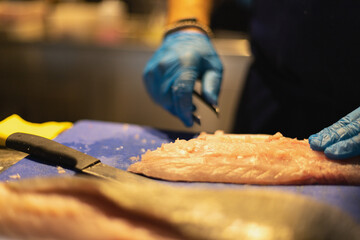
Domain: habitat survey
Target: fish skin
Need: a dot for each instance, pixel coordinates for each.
(246, 159)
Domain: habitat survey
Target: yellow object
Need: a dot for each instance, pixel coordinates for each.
(15, 123)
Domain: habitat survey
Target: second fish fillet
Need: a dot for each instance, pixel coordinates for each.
(246, 159)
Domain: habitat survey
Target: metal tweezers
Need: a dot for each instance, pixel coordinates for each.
(213, 107)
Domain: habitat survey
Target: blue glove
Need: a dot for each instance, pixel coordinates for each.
(171, 73)
(341, 140)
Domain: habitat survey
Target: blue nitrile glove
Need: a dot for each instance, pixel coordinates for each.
(341, 140)
(171, 73)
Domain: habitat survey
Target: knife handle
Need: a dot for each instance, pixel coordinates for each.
(50, 151)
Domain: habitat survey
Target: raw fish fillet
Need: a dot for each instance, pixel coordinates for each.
(247, 159)
(73, 209)
(79, 208)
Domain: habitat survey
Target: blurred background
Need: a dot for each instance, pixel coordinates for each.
(73, 60)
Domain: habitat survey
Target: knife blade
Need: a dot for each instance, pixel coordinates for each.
(54, 153)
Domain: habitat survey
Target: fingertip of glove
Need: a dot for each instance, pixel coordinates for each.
(186, 118)
(334, 152)
(340, 151)
(343, 150)
(211, 98)
(211, 87)
(315, 143)
(188, 123)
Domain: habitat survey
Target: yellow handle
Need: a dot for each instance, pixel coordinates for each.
(15, 123)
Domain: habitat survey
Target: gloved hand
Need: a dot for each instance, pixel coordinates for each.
(341, 140)
(171, 73)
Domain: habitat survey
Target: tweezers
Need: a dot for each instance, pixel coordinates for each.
(213, 107)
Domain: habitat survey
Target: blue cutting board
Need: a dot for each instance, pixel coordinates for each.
(120, 145)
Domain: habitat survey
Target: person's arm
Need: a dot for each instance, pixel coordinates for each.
(180, 9)
(185, 55)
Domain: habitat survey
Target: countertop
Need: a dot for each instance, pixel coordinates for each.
(9, 157)
(119, 145)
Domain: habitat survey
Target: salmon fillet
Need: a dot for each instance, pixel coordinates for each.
(246, 159)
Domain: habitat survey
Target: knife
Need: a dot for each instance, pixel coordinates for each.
(55, 153)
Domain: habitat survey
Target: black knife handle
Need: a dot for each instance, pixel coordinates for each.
(50, 151)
